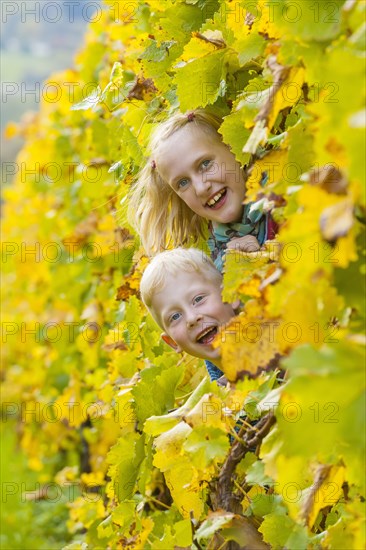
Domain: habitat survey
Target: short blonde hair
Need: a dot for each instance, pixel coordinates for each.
(170, 263)
(159, 215)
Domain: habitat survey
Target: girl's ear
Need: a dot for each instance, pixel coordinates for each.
(168, 340)
(235, 305)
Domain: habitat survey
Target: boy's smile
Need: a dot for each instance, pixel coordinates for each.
(204, 173)
(191, 311)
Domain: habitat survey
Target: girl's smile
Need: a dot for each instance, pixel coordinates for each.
(204, 173)
(217, 200)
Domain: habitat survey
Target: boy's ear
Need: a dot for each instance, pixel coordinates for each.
(168, 340)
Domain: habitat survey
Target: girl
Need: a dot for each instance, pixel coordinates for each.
(191, 182)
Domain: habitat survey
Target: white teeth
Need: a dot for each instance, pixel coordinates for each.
(216, 198)
(202, 334)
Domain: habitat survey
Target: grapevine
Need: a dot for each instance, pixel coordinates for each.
(136, 439)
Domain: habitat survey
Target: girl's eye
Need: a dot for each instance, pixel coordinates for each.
(182, 183)
(206, 163)
(198, 299)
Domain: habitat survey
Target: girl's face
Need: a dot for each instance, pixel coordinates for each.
(204, 174)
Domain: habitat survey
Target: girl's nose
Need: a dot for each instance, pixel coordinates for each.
(201, 186)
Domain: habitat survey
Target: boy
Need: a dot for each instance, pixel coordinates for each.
(182, 290)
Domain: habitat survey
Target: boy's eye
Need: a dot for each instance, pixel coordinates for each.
(174, 317)
(182, 183)
(198, 299)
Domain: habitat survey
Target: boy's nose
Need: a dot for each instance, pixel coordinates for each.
(193, 319)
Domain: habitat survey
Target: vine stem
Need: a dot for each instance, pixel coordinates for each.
(226, 499)
(153, 499)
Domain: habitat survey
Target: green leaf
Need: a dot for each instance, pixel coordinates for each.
(117, 72)
(282, 532)
(256, 476)
(155, 53)
(166, 541)
(183, 533)
(199, 82)
(328, 416)
(214, 522)
(301, 154)
(319, 21)
(250, 47)
(125, 458)
(105, 528)
(89, 102)
(236, 135)
(124, 513)
(351, 284)
(164, 383)
(205, 445)
(155, 425)
(262, 505)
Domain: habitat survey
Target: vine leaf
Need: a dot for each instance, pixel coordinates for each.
(325, 491)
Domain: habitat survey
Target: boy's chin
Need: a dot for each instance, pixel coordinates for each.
(208, 354)
(214, 357)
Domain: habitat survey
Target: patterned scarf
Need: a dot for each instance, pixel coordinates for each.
(254, 222)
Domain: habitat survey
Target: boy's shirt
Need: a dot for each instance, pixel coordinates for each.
(214, 372)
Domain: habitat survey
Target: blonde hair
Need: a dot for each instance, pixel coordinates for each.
(157, 213)
(170, 263)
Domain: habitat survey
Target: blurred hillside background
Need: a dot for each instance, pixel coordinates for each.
(37, 39)
(32, 47)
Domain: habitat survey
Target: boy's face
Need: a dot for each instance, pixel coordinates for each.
(204, 173)
(190, 310)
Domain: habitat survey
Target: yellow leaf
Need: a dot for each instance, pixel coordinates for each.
(328, 481)
(84, 511)
(264, 20)
(285, 91)
(147, 525)
(169, 446)
(346, 249)
(184, 486)
(93, 479)
(208, 411)
(336, 220)
(274, 165)
(251, 287)
(304, 250)
(70, 404)
(244, 272)
(11, 130)
(67, 474)
(295, 469)
(306, 311)
(247, 347)
(196, 48)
